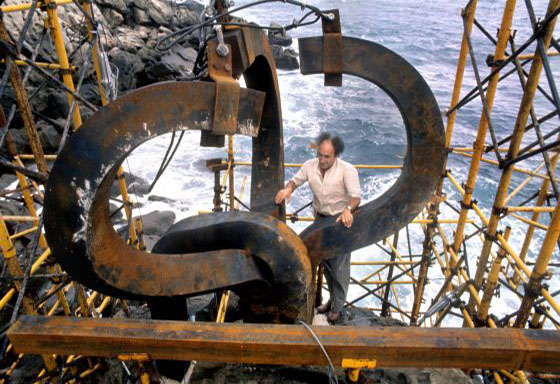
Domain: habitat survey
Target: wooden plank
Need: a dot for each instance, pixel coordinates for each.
(532, 350)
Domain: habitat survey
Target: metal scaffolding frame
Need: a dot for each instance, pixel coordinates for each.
(446, 240)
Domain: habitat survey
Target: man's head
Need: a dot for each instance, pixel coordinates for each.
(328, 149)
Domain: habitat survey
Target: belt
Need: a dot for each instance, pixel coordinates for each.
(321, 215)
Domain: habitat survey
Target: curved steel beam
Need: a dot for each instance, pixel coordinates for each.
(77, 223)
(282, 255)
(425, 154)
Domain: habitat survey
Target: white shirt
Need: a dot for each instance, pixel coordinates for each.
(331, 193)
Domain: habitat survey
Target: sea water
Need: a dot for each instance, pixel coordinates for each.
(426, 34)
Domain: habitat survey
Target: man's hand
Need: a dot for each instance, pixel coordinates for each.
(346, 217)
(282, 194)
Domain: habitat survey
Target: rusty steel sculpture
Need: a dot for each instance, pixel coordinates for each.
(254, 252)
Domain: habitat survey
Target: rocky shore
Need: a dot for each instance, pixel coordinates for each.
(129, 31)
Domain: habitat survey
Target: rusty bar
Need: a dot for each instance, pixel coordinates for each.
(534, 350)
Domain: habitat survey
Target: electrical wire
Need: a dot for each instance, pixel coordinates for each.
(332, 374)
(179, 36)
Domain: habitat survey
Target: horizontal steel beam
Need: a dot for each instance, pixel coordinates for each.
(531, 350)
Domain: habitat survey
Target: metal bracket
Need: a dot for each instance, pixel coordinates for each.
(332, 49)
(226, 106)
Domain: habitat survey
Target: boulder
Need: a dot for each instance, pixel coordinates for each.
(49, 136)
(183, 17)
(193, 6)
(142, 4)
(279, 37)
(113, 17)
(117, 5)
(156, 223)
(160, 198)
(57, 104)
(180, 60)
(148, 55)
(90, 92)
(129, 66)
(130, 40)
(285, 58)
(141, 16)
(160, 11)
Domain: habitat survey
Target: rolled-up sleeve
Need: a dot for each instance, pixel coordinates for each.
(301, 176)
(352, 181)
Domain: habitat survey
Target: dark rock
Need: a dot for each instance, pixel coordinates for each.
(414, 376)
(181, 60)
(148, 55)
(193, 6)
(6, 180)
(49, 136)
(134, 312)
(285, 58)
(157, 222)
(183, 17)
(130, 40)
(27, 370)
(160, 198)
(21, 142)
(10, 209)
(160, 11)
(158, 71)
(90, 92)
(362, 316)
(57, 105)
(279, 37)
(135, 184)
(113, 17)
(141, 16)
(118, 5)
(141, 4)
(129, 66)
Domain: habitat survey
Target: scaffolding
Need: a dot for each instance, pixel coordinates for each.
(462, 292)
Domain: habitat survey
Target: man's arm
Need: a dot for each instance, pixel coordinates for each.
(286, 193)
(346, 216)
(352, 185)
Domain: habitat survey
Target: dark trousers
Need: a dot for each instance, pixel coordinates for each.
(337, 273)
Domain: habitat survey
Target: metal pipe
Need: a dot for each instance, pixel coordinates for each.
(499, 54)
(524, 110)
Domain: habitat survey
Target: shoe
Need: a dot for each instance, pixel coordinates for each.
(333, 316)
(324, 308)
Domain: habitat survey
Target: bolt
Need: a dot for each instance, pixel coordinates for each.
(217, 65)
(222, 50)
(227, 67)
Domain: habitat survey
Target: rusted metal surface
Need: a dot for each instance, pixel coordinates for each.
(425, 154)
(77, 222)
(531, 350)
(207, 253)
(201, 254)
(286, 289)
(224, 121)
(253, 59)
(332, 49)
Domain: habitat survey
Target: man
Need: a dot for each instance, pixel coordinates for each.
(336, 192)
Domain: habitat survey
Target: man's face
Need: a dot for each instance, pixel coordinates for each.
(326, 155)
